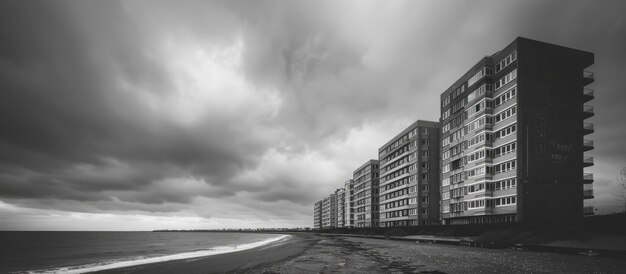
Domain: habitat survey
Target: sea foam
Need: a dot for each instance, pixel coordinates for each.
(143, 260)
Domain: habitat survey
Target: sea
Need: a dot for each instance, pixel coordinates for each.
(79, 252)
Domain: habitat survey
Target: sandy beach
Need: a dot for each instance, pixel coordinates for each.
(311, 253)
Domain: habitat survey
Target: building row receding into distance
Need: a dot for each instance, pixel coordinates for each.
(509, 147)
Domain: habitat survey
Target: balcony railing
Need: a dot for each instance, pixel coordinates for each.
(588, 211)
(588, 111)
(587, 145)
(588, 178)
(588, 128)
(588, 161)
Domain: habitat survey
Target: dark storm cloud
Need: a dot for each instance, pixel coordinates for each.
(60, 109)
(94, 115)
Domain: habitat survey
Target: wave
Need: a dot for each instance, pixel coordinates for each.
(107, 265)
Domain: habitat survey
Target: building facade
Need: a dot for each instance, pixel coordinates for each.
(513, 132)
(329, 211)
(409, 177)
(349, 203)
(317, 215)
(365, 194)
(340, 193)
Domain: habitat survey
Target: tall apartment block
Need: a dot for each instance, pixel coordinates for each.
(317, 215)
(349, 203)
(409, 177)
(329, 211)
(365, 194)
(340, 193)
(513, 132)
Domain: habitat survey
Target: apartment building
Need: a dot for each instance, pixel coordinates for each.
(365, 194)
(349, 203)
(513, 137)
(340, 193)
(329, 211)
(409, 177)
(317, 215)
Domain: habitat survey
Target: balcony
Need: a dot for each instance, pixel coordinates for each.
(588, 161)
(587, 145)
(588, 211)
(588, 77)
(587, 111)
(588, 128)
(588, 194)
(588, 94)
(587, 178)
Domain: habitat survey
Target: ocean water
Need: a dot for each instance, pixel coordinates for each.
(77, 252)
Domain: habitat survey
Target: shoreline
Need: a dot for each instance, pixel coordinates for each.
(322, 253)
(126, 263)
(240, 260)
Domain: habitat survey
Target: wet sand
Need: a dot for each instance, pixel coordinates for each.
(246, 261)
(310, 253)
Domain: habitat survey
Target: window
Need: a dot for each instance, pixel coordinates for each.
(455, 150)
(445, 101)
(504, 184)
(471, 96)
(424, 131)
(412, 211)
(458, 106)
(446, 128)
(424, 176)
(504, 201)
(425, 142)
(504, 149)
(445, 182)
(445, 114)
(457, 134)
(457, 178)
(425, 153)
(504, 167)
(445, 168)
(424, 210)
(479, 123)
(479, 75)
(476, 204)
(476, 140)
(476, 171)
(458, 91)
(445, 155)
(505, 131)
(424, 199)
(424, 188)
(506, 79)
(476, 188)
(445, 195)
(502, 115)
(506, 61)
(476, 156)
(506, 96)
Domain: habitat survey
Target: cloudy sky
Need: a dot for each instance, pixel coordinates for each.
(138, 115)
